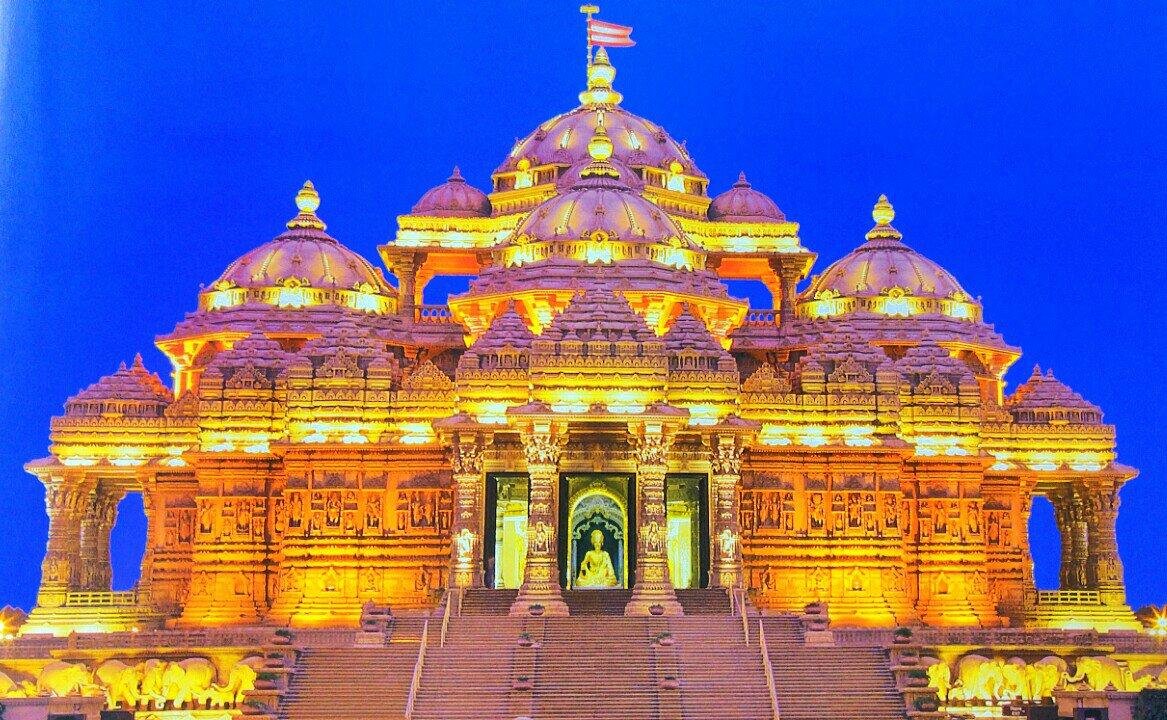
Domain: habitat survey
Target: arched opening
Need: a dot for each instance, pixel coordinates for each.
(438, 290)
(127, 542)
(753, 290)
(1045, 544)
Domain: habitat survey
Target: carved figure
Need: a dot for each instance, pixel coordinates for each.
(1099, 673)
(189, 680)
(728, 542)
(240, 680)
(122, 682)
(596, 569)
(464, 545)
(9, 688)
(939, 678)
(61, 679)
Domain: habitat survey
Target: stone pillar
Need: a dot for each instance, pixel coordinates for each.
(97, 522)
(1104, 567)
(1071, 517)
(541, 573)
(466, 451)
(725, 554)
(405, 268)
(65, 503)
(1028, 583)
(789, 270)
(653, 586)
(155, 520)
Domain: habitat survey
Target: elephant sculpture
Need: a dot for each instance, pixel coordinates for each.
(122, 683)
(62, 679)
(240, 680)
(979, 678)
(1099, 673)
(152, 682)
(1045, 676)
(197, 677)
(10, 688)
(939, 677)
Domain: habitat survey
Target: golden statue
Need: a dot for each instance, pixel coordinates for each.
(596, 569)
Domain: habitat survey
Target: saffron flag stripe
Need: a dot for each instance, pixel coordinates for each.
(609, 34)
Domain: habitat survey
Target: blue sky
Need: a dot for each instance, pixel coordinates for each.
(146, 145)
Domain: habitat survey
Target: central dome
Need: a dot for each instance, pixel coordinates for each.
(636, 143)
(601, 219)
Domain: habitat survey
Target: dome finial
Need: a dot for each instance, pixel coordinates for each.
(741, 180)
(601, 73)
(883, 213)
(600, 146)
(307, 201)
(456, 176)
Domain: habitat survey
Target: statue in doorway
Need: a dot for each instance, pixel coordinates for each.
(596, 569)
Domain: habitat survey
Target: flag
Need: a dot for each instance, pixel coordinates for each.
(608, 34)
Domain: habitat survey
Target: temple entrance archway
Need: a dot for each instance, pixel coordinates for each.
(505, 546)
(686, 498)
(1044, 544)
(127, 542)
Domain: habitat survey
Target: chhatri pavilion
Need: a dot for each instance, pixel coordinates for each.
(596, 432)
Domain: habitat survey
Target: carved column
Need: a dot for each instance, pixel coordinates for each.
(789, 270)
(155, 520)
(1071, 517)
(65, 503)
(653, 586)
(405, 268)
(466, 451)
(97, 520)
(541, 574)
(1028, 583)
(1104, 567)
(725, 554)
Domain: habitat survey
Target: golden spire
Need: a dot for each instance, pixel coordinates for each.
(307, 200)
(601, 73)
(600, 148)
(883, 213)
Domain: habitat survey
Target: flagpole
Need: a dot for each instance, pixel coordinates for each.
(588, 11)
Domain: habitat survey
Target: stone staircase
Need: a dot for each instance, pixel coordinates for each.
(841, 683)
(484, 601)
(596, 664)
(470, 677)
(721, 676)
(349, 683)
(705, 601)
(590, 603)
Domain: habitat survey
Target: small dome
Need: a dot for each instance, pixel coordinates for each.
(742, 203)
(453, 198)
(886, 276)
(1043, 399)
(302, 266)
(131, 391)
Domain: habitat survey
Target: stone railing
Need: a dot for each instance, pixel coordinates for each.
(101, 598)
(433, 314)
(761, 317)
(1068, 597)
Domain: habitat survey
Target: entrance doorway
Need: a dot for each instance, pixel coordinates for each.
(505, 546)
(597, 550)
(688, 530)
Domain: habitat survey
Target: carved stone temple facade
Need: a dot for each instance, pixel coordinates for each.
(597, 411)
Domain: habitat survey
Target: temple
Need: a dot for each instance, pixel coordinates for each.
(596, 431)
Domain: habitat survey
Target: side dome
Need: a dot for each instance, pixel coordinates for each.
(742, 203)
(130, 392)
(601, 219)
(304, 266)
(886, 277)
(453, 198)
